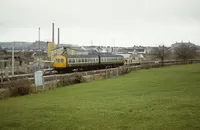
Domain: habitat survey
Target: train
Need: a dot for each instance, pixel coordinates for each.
(70, 63)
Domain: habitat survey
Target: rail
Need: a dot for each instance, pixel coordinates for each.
(51, 74)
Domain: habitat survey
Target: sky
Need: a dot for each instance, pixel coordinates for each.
(102, 22)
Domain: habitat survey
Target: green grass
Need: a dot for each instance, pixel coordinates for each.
(162, 98)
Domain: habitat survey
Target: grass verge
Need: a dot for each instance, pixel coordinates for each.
(161, 98)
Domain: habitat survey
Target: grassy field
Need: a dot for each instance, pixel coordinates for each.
(162, 98)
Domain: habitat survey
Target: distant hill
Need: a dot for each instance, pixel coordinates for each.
(24, 45)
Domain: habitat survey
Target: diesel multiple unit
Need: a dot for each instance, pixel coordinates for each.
(86, 62)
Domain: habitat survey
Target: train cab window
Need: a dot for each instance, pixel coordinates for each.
(62, 60)
(58, 60)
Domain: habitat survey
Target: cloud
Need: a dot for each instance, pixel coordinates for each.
(130, 22)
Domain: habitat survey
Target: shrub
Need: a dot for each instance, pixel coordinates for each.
(145, 66)
(125, 70)
(70, 79)
(78, 78)
(20, 87)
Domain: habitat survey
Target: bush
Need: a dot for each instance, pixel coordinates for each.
(70, 79)
(20, 87)
(145, 66)
(125, 70)
(78, 78)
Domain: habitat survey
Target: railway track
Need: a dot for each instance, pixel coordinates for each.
(51, 74)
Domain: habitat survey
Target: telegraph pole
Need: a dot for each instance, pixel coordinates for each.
(114, 46)
(58, 37)
(13, 69)
(53, 32)
(39, 45)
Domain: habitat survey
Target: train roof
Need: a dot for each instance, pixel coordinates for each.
(81, 56)
(92, 55)
(109, 55)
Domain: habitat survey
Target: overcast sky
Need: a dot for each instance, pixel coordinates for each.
(129, 22)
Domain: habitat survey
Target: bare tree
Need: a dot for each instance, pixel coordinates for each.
(161, 52)
(185, 52)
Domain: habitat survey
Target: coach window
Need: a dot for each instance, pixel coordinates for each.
(70, 60)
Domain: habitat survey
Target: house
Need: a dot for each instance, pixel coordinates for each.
(130, 59)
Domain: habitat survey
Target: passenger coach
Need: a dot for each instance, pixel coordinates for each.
(86, 62)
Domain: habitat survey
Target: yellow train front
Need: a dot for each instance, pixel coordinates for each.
(86, 62)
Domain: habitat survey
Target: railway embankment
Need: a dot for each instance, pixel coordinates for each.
(26, 86)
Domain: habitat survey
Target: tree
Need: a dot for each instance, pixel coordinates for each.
(161, 52)
(185, 52)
